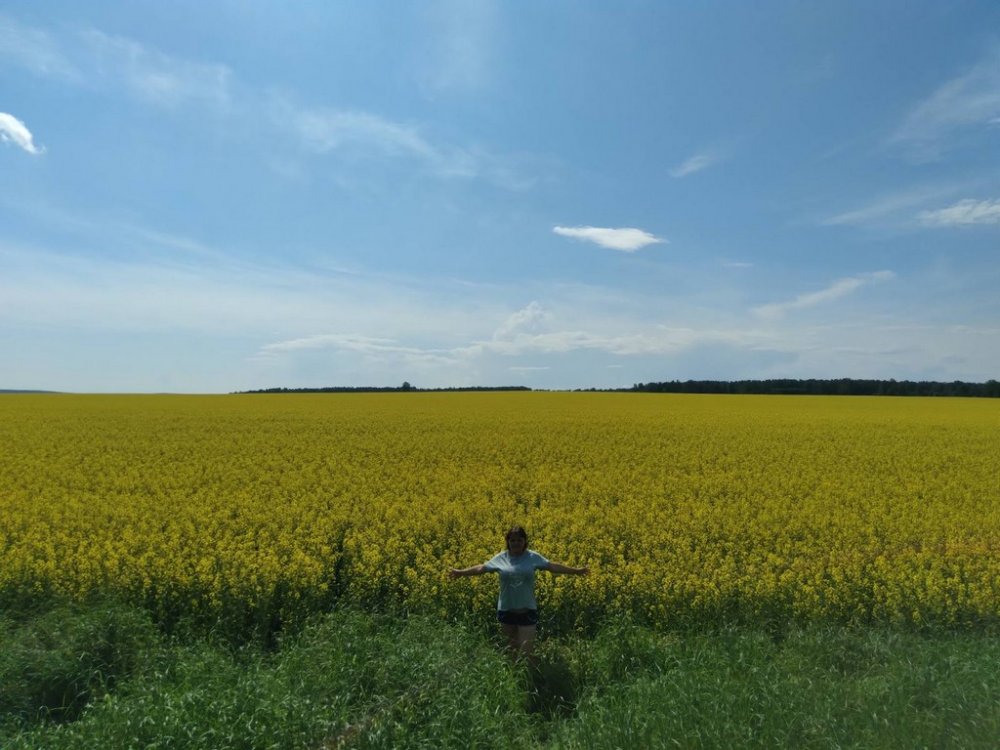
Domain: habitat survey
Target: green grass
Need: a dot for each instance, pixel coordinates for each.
(816, 688)
(56, 659)
(101, 675)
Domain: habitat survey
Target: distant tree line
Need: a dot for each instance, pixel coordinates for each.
(838, 387)
(404, 388)
(787, 386)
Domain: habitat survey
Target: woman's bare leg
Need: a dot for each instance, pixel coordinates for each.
(520, 641)
(513, 641)
(526, 642)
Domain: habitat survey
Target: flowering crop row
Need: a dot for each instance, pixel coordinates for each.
(688, 509)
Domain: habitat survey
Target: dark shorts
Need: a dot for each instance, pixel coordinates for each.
(528, 617)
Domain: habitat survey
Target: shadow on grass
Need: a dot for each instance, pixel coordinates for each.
(553, 690)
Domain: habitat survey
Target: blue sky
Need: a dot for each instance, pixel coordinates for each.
(208, 197)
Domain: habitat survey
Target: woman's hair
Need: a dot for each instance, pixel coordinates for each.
(516, 531)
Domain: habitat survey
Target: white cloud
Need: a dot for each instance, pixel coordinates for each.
(848, 349)
(968, 101)
(13, 130)
(642, 340)
(525, 334)
(964, 213)
(694, 164)
(836, 290)
(286, 326)
(626, 240)
(529, 319)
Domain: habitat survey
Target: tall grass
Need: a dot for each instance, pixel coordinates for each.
(348, 680)
(58, 657)
(818, 687)
(100, 676)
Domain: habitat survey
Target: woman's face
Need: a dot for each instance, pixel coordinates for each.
(517, 544)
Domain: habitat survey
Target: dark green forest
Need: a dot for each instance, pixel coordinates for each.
(838, 387)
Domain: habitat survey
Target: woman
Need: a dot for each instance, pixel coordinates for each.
(517, 609)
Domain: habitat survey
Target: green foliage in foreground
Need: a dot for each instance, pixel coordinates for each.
(817, 688)
(56, 660)
(99, 676)
(349, 680)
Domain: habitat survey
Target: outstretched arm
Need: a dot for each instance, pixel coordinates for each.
(475, 570)
(554, 567)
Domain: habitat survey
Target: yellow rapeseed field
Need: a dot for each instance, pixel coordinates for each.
(688, 509)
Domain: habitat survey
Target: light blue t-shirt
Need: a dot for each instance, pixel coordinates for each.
(517, 578)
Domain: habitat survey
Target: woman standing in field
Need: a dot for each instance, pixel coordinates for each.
(517, 609)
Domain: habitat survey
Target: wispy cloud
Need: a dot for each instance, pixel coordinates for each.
(793, 350)
(288, 324)
(360, 135)
(326, 130)
(836, 290)
(92, 58)
(35, 50)
(894, 208)
(160, 79)
(365, 345)
(534, 331)
(537, 330)
(461, 41)
(169, 82)
(111, 233)
(565, 341)
(626, 240)
(696, 163)
(14, 131)
(964, 213)
(657, 341)
(967, 102)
